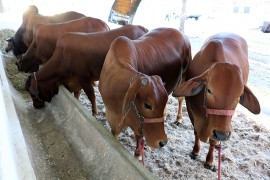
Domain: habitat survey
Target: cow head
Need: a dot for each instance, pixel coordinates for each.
(146, 98)
(16, 42)
(40, 92)
(16, 46)
(9, 45)
(214, 96)
(26, 65)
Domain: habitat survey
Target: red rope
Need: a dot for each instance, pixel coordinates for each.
(219, 160)
(140, 149)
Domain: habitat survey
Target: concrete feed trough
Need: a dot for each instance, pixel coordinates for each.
(61, 141)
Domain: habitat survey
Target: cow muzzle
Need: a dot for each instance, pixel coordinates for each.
(221, 136)
(37, 103)
(163, 143)
(154, 134)
(7, 49)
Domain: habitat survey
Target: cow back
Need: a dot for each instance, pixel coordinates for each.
(46, 35)
(222, 47)
(163, 51)
(31, 17)
(98, 43)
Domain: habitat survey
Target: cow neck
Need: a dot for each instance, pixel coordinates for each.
(141, 118)
(218, 112)
(49, 71)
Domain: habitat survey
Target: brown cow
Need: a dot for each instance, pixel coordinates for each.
(45, 37)
(136, 79)
(76, 63)
(24, 35)
(217, 78)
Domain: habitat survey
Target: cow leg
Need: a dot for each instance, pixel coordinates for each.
(209, 164)
(77, 94)
(139, 152)
(115, 134)
(196, 148)
(111, 118)
(179, 114)
(165, 111)
(89, 91)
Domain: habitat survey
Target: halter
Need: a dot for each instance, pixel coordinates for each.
(143, 120)
(218, 112)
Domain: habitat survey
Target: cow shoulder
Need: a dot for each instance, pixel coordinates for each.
(121, 47)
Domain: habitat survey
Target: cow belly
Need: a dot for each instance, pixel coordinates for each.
(72, 84)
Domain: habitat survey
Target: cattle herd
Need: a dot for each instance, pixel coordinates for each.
(136, 70)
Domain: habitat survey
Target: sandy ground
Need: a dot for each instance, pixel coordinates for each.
(245, 156)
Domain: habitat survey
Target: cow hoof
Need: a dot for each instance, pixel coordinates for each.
(138, 157)
(210, 167)
(94, 113)
(194, 156)
(177, 123)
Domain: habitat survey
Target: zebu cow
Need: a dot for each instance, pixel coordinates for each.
(45, 37)
(137, 78)
(217, 78)
(76, 63)
(22, 39)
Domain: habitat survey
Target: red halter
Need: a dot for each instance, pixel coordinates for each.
(219, 112)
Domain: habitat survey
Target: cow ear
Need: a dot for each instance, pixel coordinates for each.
(191, 87)
(249, 101)
(130, 96)
(9, 39)
(188, 88)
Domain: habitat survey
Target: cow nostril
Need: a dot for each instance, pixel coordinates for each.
(162, 143)
(221, 136)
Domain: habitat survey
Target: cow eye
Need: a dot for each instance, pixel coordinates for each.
(209, 91)
(147, 106)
